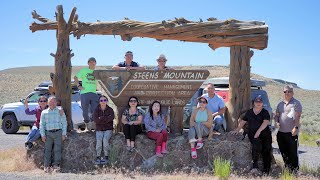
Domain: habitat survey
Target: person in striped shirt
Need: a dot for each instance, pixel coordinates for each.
(53, 130)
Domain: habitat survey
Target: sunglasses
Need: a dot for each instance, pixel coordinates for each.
(43, 101)
(162, 60)
(204, 102)
(103, 100)
(133, 100)
(287, 91)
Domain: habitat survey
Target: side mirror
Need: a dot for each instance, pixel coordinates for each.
(22, 100)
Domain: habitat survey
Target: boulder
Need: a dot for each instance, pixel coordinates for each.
(78, 153)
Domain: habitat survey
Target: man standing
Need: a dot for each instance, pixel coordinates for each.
(53, 130)
(128, 64)
(89, 97)
(288, 118)
(217, 107)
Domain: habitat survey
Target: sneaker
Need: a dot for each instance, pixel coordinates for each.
(193, 140)
(199, 145)
(158, 154)
(132, 149)
(46, 169)
(194, 154)
(104, 160)
(56, 168)
(98, 161)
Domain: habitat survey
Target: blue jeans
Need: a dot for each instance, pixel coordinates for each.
(89, 102)
(199, 130)
(33, 135)
(218, 123)
(102, 138)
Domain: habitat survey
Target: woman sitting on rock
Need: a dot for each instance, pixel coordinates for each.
(132, 119)
(259, 133)
(200, 124)
(34, 134)
(156, 128)
(103, 117)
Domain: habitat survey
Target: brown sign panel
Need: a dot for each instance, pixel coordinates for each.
(170, 87)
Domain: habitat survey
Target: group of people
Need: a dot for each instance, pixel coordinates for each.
(206, 120)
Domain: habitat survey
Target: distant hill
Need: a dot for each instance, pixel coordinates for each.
(16, 83)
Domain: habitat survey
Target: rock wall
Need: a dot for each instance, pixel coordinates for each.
(79, 153)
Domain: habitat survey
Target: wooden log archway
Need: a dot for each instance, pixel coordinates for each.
(240, 36)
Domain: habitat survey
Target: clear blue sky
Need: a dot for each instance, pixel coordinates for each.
(292, 53)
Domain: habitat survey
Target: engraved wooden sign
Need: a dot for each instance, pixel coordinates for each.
(172, 88)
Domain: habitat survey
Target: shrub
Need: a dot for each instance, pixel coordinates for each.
(286, 175)
(221, 168)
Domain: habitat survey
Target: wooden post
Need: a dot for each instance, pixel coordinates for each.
(176, 120)
(239, 84)
(62, 76)
(119, 123)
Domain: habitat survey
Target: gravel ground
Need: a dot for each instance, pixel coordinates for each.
(13, 140)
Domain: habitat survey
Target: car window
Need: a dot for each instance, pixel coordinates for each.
(33, 97)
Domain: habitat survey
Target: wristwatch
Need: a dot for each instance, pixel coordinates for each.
(297, 127)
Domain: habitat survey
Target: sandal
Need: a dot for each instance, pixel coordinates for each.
(194, 154)
(199, 145)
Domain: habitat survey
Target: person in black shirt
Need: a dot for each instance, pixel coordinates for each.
(128, 64)
(259, 133)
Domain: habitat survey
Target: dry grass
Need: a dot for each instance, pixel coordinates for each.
(14, 160)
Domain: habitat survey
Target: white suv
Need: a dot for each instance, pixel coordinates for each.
(13, 114)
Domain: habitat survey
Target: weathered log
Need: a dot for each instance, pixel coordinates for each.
(62, 78)
(217, 33)
(239, 83)
(176, 120)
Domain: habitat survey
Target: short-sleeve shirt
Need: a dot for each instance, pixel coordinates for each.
(89, 82)
(133, 64)
(255, 120)
(132, 117)
(283, 108)
(214, 104)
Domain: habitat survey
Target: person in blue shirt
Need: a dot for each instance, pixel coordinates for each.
(217, 107)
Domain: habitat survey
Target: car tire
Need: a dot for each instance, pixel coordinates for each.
(10, 124)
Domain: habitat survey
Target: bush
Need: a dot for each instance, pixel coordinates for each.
(286, 175)
(221, 168)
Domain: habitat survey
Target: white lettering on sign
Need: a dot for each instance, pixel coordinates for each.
(144, 86)
(145, 75)
(183, 75)
(178, 87)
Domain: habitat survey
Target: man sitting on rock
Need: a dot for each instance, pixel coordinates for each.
(217, 107)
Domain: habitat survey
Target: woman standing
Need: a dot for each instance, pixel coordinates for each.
(259, 133)
(103, 117)
(156, 128)
(132, 119)
(34, 134)
(200, 125)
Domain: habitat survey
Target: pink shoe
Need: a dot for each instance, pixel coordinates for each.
(164, 148)
(158, 151)
(199, 145)
(194, 154)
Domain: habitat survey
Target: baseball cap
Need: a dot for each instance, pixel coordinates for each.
(288, 88)
(92, 59)
(258, 98)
